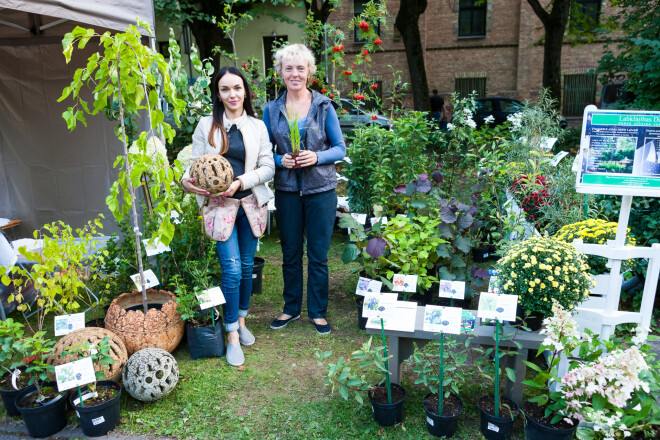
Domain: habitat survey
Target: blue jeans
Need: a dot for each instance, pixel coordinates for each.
(237, 259)
(313, 217)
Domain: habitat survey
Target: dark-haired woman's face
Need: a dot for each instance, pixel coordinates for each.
(232, 92)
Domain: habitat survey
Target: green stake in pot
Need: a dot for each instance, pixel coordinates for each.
(441, 373)
(387, 364)
(80, 397)
(497, 368)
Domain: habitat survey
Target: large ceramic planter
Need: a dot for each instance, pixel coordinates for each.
(386, 414)
(97, 420)
(9, 397)
(496, 428)
(441, 425)
(536, 430)
(161, 327)
(92, 335)
(44, 420)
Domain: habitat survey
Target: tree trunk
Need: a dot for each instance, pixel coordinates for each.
(407, 22)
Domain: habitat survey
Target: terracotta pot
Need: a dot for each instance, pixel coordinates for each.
(161, 327)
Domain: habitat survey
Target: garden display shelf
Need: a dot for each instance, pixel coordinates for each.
(401, 346)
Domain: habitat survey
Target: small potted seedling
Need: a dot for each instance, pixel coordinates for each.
(97, 403)
(294, 138)
(44, 407)
(13, 353)
(438, 367)
(386, 398)
(497, 413)
(196, 305)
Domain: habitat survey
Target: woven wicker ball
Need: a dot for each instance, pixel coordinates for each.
(93, 335)
(212, 172)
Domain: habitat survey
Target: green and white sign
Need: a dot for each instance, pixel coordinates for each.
(619, 153)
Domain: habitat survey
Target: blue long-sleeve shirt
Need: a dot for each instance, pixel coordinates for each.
(337, 149)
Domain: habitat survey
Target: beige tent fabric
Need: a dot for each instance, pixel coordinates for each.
(48, 173)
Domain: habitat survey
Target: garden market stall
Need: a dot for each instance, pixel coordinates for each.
(46, 172)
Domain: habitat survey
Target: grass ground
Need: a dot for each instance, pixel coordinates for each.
(279, 393)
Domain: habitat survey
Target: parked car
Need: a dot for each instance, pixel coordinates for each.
(356, 115)
(500, 109)
(615, 95)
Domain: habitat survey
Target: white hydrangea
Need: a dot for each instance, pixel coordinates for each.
(184, 156)
(489, 119)
(468, 112)
(450, 126)
(641, 335)
(515, 119)
(470, 123)
(155, 148)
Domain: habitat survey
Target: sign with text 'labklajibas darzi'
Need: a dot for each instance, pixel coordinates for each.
(619, 153)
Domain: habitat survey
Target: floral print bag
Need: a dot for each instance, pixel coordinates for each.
(257, 215)
(219, 215)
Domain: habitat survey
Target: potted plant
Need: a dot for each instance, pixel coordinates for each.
(43, 408)
(127, 73)
(96, 404)
(442, 379)
(294, 138)
(386, 398)
(12, 357)
(205, 335)
(541, 269)
(545, 413)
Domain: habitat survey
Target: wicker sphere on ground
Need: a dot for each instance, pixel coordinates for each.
(212, 172)
(161, 327)
(92, 335)
(150, 374)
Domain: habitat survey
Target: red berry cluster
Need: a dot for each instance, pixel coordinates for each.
(338, 49)
(358, 97)
(364, 26)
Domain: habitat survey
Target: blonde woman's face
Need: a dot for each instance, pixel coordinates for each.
(295, 72)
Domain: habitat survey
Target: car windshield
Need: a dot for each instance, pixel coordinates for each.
(484, 106)
(510, 106)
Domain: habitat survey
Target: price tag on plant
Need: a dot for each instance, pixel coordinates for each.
(496, 306)
(75, 374)
(365, 285)
(558, 157)
(381, 220)
(404, 283)
(399, 316)
(65, 324)
(155, 247)
(452, 289)
(439, 319)
(150, 279)
(210, 298)
(360, 218)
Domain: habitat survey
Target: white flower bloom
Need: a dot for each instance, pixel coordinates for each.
(468, 112)
(488, 119)
(641, 335)
(515, 119)
(155, 149)
(470, 123)
(450, 126)
(184, 156)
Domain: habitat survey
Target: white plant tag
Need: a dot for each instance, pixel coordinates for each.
(210, 298)
(452, 289)
(98, 421)
(404, 283)
(14, 377)
(360, 218)
(65, 324)
(429, 421)
(492, 427)
(365, 285)
(558, 157)
(75, 374)
(150, 279)
(155, 247)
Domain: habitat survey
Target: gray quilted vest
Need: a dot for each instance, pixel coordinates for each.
(314, 179)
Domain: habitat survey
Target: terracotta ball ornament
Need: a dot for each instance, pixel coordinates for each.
(212, 172)
(150, 374)
(92, 335)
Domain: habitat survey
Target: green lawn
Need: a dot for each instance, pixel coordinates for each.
(279, 392)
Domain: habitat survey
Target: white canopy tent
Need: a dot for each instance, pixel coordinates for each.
(48, 173)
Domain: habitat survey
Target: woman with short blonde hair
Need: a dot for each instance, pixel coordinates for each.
(305, 197)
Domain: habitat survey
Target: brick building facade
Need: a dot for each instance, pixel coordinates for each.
(492, 50)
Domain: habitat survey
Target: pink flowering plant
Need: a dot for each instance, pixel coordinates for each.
(611, 385)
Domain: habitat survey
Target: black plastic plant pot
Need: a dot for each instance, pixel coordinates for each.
(9, 397)
(362, 322)
(386, 414)
(97, 420)
(206, 342)
(441, 426)
(497, 428)
(44, 420)
(258, 275)
(536, 431)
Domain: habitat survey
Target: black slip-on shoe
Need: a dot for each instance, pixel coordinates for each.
(281, 323)
(322, 329)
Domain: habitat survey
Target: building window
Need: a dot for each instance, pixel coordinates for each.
(585, 15)
(579, 92)
(358, 8)
(465, 86)
(472, 18)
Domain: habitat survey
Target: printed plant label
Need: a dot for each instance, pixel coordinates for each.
(210, 298)
(382, 220)
(378, 304)
(429, 421)
(493, 428)
(365, 285)
(400, 316)
(65, 324)
(98, 421)
(155, 247)
(404, 283)
(452, 289)
(439, 319)
(75, 374)
(497, 306)
(150, 279)
(360, 218)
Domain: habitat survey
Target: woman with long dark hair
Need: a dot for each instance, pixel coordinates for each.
(236, 134)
